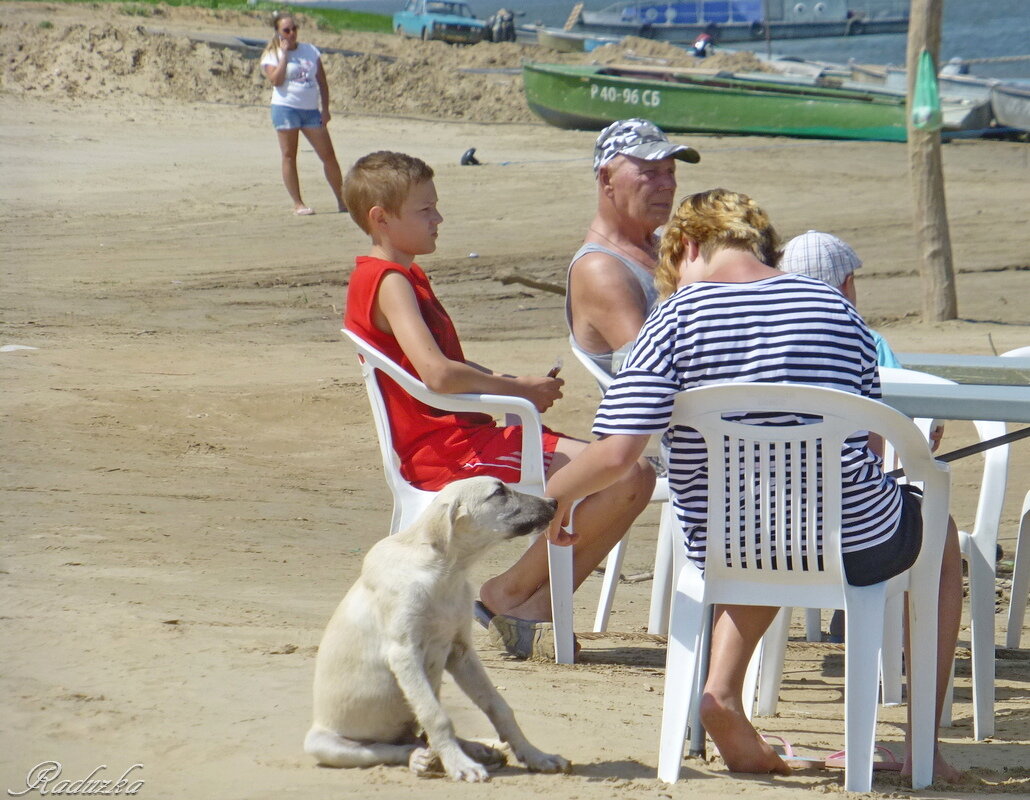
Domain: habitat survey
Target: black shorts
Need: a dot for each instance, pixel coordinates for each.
(884, 561)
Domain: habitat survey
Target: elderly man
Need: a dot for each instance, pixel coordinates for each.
(611, 277)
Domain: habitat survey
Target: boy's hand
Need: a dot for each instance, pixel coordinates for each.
(541, 392)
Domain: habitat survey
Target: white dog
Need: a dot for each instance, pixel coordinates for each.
(406, 619)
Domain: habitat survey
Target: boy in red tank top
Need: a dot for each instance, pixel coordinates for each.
(391, 305)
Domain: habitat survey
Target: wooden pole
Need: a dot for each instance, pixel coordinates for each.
(940, 301)
(768, 29)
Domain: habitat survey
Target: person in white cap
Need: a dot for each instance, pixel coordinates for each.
(611, 277)
(829, 259)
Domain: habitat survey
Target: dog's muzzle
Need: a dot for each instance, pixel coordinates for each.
(533, 517)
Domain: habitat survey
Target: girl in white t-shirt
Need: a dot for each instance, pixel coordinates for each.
(299, 87)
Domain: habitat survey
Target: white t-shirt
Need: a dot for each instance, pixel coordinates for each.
(300, 89)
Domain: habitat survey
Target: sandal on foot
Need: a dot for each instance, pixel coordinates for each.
(525, 638)
(304, 212)
(482, 614)
(790, 758)
(889, 763)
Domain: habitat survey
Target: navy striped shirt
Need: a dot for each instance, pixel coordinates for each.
(784, 329)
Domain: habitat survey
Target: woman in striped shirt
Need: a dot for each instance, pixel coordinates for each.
(729, 315)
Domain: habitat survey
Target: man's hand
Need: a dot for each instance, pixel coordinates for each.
(558, 532)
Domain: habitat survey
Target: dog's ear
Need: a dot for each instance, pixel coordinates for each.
(448, 516)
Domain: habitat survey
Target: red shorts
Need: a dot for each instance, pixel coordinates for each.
(466, 453)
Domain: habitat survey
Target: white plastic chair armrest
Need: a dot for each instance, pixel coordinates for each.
(531, 473)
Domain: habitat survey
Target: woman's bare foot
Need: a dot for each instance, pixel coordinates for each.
(942, 770)
(739, 744)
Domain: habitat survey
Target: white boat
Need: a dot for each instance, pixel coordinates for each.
(742, 20)
(1011, 105)
(1009, 100)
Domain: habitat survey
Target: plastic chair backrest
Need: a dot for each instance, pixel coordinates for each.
(408, 500)
(749, 468)
(603, 378)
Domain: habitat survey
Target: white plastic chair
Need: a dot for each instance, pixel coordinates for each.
(978, 549)
(409, 502)
(733, 573)
(667, 554)
(1020, 579)
(1021, 568)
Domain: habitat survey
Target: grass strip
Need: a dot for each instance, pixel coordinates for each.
(332, 20)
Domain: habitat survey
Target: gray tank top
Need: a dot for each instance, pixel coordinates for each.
(644, 278)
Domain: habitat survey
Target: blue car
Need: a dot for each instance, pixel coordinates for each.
(446, 20)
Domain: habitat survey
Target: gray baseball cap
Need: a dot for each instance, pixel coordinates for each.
(821, 256)
(640, 139)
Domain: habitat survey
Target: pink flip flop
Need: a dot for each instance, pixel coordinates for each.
(889, 763)
(790, 758)
(304, 212)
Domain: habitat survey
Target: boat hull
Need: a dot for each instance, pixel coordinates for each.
(1011, 106)
(585, 97)
(740, 32)
(563, 41)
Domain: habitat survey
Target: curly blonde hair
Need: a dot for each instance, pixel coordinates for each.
(717, 219)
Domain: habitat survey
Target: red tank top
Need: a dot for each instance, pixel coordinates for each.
(416, 427)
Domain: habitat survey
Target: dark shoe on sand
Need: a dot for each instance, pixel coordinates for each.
(532, 640)
(523, 638)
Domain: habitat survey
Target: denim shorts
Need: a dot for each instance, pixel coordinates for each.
(884, 561)
(286, 118)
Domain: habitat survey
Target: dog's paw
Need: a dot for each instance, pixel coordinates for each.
(425, 763)
(468, 771)
(537, 761)
(490, 757)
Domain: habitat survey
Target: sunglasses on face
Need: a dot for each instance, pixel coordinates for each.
(287, 30)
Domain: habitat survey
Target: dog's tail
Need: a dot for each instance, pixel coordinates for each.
(332, 750)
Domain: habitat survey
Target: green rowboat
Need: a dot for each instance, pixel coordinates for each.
(590, 97)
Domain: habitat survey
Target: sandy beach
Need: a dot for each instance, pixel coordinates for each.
(191, 477)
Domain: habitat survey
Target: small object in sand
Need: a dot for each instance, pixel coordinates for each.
(887, 763)
(473, 255)
(468, 158)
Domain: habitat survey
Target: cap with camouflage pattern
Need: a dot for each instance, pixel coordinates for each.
(640, 139)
